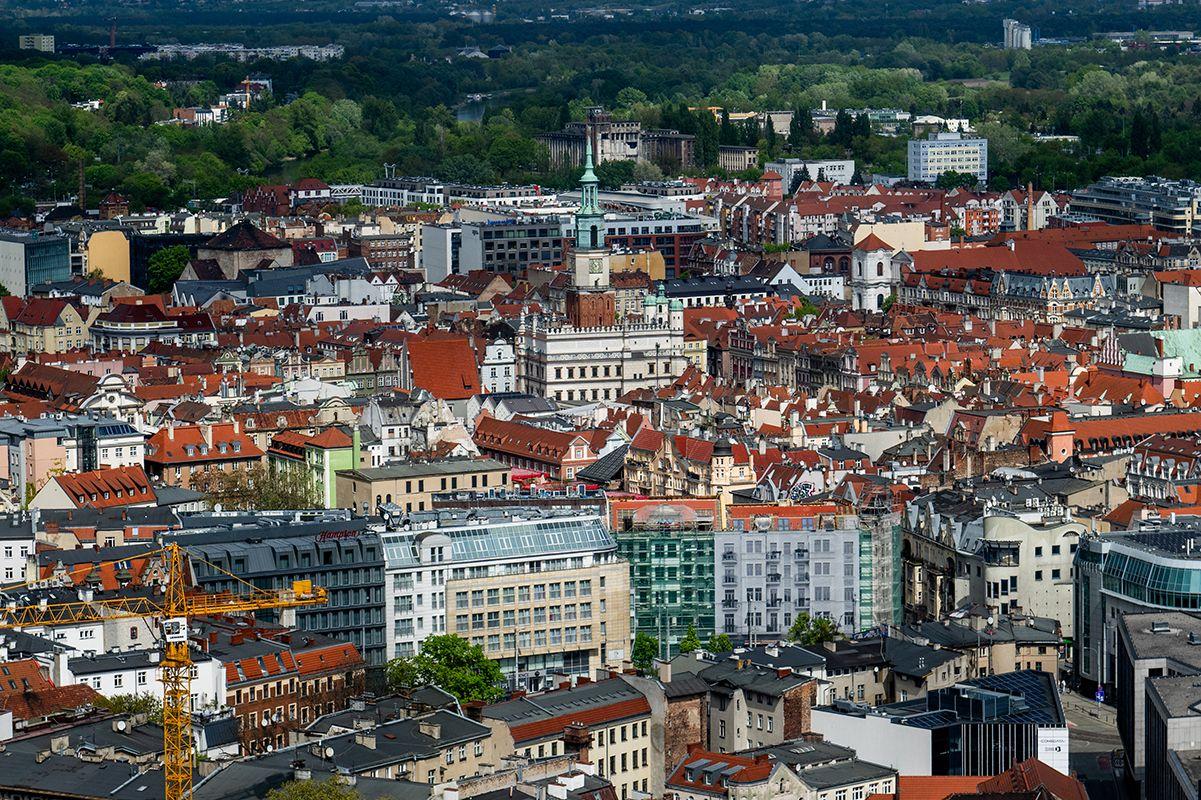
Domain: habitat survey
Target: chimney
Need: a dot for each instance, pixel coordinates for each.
(171, 432)
(474, 710)
(1029, 206)
(365, 739)
(577, 740)
(664, 671)
(430, 729)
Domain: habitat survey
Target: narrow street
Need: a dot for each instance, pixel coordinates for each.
(1094, 741)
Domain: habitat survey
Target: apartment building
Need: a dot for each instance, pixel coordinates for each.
(668, 543)
(779, 561)
(540, 590)
(947, 152)
(626, 741)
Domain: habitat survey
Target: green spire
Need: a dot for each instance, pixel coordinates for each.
(589, 220)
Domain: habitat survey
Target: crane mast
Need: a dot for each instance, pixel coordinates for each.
(173, 611)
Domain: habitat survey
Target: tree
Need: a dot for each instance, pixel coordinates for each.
(452, 664)
(259, 488)
(691, 642)
(720, 643)
(812, 630)
(646, 649)
(165, 267)
(800, 129)
(888, 302)
(953, 180)
(332, 788)
(134, 704)
(727, 135)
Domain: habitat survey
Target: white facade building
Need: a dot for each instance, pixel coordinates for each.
(499, 370)
(139, 672)
(944, 152)
(875, 274)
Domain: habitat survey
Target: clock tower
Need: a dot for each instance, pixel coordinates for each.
(590, 255)
(590, 301)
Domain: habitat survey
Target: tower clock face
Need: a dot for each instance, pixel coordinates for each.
(595, 266)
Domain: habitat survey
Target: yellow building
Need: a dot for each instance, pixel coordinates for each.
(108, 254)
(412, 486)
(47, 326)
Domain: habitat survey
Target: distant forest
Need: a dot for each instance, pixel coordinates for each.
(393, 98)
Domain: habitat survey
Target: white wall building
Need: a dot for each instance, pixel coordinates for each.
(947, 152)
(875, 274)
(499, 370)
(139, 672)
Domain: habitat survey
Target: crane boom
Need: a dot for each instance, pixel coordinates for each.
(173, 609)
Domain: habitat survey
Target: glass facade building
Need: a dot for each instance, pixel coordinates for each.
(1156, 567)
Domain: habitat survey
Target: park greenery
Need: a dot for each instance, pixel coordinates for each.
(332, 788)
(395, 97)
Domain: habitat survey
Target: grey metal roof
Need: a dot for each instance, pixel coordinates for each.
(450, 466)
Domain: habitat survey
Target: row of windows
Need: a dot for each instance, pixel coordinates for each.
(522, 594)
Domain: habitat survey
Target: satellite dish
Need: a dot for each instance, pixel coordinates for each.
(329, 752)
(122, 725)
(270, 748)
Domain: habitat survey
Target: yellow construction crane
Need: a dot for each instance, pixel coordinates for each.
(173, 608)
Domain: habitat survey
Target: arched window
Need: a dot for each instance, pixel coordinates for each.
(595, 240)
(880, 269)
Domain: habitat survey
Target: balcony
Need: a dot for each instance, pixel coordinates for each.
(729, 602)
(774, 577)
(729, 555)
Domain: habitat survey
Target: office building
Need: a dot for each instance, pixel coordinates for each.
(28, 258)
(439, 254)
(977, 727)
(1017, 35)
(272, 549)
(735, 158)
(1153, 567)
(669, 546)
(947, 152)
(1170, 205)
(1149, 646)
(779, 561)
(509, 243)
(1173, 728)
(669, 234)
(541, 590)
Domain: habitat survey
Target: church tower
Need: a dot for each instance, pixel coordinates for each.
(590, 301)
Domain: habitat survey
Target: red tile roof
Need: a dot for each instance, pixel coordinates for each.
(525, 441)
(40, 312)
(186, 444)
(590, 717)
(750, 770)
(49, 701)
(871, 243)
(108, 488)
(1033, 774)
(936, 787)
(338, 656)
(446, 368)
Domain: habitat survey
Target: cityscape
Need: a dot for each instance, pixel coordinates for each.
(677, 401)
